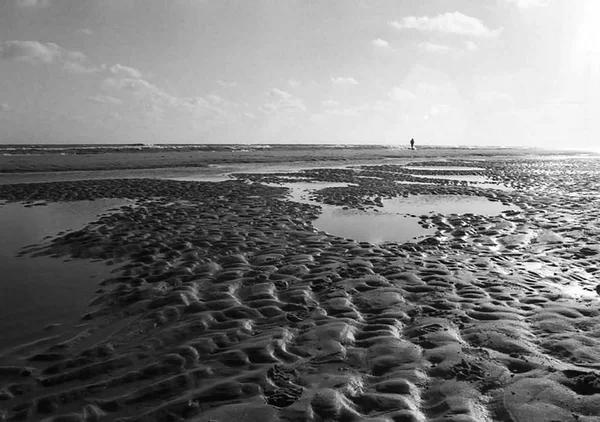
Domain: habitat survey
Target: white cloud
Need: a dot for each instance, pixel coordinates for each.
(471, 46)
(35, 52)
(5, 107)
(32, 3)
(436, 110)
(495, 96)
(85, 31)
(132, 84)
(343, 111)
(452, 22)
(344, 81)
(400, 94)
(125, 71)
(380, 43)
(282, 101)
(105, 99)
(528, 4)
(218, 101)
(293, 83)
(330, 103)
(227, 84)
(32, 51)
(433, 47)
(496, 101)
(80, 68)
(154, 99)
(151, 94)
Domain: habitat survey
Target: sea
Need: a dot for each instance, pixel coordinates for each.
(72, 149)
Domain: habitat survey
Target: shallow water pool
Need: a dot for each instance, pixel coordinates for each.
(458, 177)
(370, 226)
(203, 178)
(451, 168)
(444, 204)
(37, 291)
(396, 221)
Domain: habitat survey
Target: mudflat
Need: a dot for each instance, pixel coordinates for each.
(18, 160)
(225, 301)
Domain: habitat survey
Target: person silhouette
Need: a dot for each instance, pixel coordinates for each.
(412, 143)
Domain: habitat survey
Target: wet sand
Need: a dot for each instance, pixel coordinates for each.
(228, 304)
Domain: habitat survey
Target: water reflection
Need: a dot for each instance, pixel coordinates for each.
(370, 226)
(451, 168)
(396, 221)
(37, 291)
(459, 177)
(203, 178)
(444, 204)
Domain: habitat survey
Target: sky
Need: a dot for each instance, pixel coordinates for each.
(444, 72)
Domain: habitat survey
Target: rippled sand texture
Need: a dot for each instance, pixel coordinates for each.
(231, 307)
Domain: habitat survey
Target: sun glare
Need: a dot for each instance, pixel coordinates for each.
(586, 49)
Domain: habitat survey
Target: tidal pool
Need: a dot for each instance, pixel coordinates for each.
(444, 204)
(398, 219)
(370, 226)
(452, 168)
(37, 291)
(203, 178)
(471, 178)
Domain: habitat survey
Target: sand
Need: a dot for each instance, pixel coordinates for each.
(228, 304)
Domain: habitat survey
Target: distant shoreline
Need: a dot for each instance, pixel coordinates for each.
(33, 149)
(28, 159)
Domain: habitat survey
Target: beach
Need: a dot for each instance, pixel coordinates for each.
(302, 284)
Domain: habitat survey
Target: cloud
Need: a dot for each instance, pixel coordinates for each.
(282, 101)
(35, 52)
(227, 84)
(81, 68)
(433, 47)
(436, 110)
(494, 101)
(330, 103)
(345, 112)
(379, 43)
(31, 51)
(154, 99)
(125, 71)
(400, 94)
(293, 83)
(5, 107)
(218, 101)
(471, 46)
(105, 99)
(451, 23)
(344, 81)
(39, 53)
(131, 84)
(32, 3)
(528, 4)
(85, 31)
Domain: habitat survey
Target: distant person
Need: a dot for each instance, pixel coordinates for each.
(412, 143)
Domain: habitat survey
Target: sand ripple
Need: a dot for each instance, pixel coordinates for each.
(229, 305)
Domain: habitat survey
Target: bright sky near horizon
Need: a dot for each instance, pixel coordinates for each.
(446, 72)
